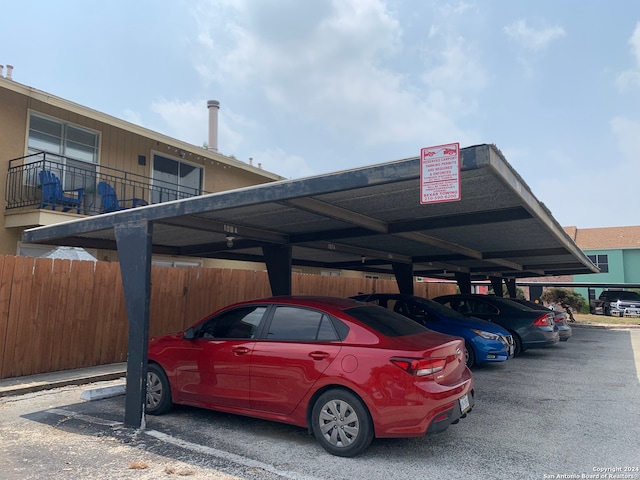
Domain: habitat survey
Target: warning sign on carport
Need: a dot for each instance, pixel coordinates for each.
(440, 173)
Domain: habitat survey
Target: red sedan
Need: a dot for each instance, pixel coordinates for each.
(345, 370)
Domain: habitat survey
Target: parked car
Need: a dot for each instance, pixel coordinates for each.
(345, 370)
(484, 341)
(529, 328)
(559, 317)
(618, 303)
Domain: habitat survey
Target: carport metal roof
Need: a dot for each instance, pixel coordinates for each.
(362, 219)
(367, 219)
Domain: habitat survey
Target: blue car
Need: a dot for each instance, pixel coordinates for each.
(484, 341)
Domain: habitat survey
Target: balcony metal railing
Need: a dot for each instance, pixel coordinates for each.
(24, 188)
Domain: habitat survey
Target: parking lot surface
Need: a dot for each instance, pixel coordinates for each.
(571, 411)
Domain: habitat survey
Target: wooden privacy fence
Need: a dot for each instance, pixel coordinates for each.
(62, 314)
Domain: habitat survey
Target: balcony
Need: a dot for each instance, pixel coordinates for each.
(82, 192)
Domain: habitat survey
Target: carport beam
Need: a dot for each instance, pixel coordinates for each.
(134, 252)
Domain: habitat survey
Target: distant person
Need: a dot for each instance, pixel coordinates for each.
(569, 311)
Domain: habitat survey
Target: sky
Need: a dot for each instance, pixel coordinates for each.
(308, 87)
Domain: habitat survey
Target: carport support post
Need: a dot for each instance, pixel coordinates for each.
(535, 292)
(134, 252)
(511, 287)
(278, 261)
(464, 282)
(496, 283)
(404, 277)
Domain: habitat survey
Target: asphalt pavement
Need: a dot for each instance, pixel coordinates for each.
(570, 411)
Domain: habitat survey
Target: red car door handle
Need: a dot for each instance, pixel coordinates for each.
(319, 355)
(240, 350)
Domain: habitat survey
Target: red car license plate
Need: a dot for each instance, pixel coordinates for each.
(464, 403)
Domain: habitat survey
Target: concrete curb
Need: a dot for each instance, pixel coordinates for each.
(605, 326)
(99, 393)
(47, 381)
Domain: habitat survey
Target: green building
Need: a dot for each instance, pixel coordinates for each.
(615, 250)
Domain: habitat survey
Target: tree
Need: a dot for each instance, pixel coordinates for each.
(564, 297)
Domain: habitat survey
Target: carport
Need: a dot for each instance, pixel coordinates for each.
(367, 219)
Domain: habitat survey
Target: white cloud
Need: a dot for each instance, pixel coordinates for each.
(450, 9)
(584, 196)
(286, 165)
(634, 41)
(230, 131)
(189, 121)
(626, 134)
(455, 68)
(628, 79)
(131, 116)
(326, 64)
(631, 78)
(533, 39)
(186, 120)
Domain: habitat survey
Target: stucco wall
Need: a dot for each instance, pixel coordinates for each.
(13, 125)
(624, 267)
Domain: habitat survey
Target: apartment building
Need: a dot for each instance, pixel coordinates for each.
(60, 161)
(614, 250)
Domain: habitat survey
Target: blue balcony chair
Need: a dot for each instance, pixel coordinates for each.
(54, 196)
(110, 202)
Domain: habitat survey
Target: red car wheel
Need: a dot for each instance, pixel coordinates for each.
(341, 423)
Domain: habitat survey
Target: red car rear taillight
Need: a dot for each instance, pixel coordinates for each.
(543, 321)
(420, 367)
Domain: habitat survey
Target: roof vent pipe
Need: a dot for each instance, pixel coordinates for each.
(1, 70)
(213, 106)
(9, 72)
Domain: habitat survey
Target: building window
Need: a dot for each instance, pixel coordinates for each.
(173, 179)
(600, 261)
(329, 273)
(177, 264)
(75, 149)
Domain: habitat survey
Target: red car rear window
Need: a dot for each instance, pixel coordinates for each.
(385, 321)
